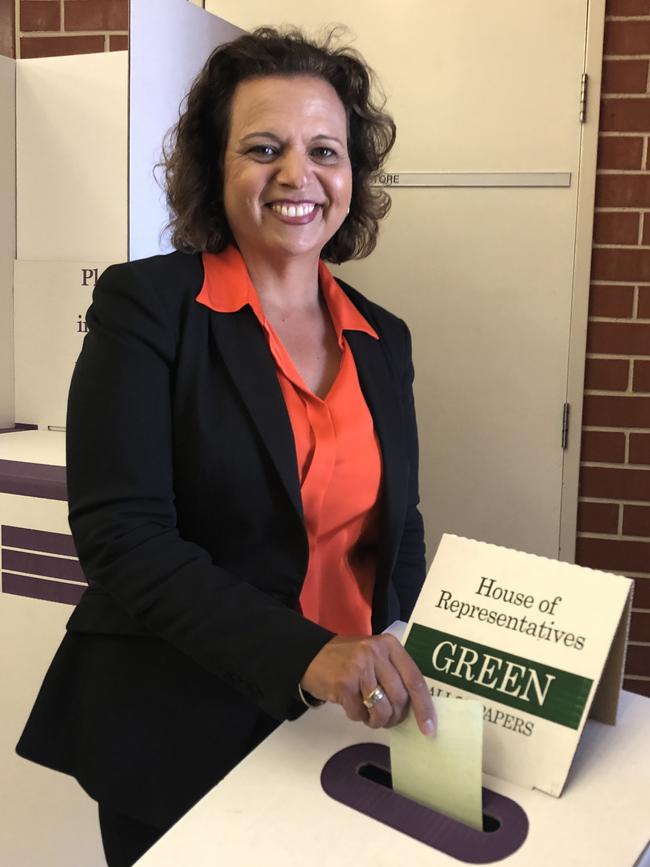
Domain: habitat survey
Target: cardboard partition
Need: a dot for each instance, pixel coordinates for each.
(169, 43)
(71, 135)
(50, 301)
(7, 234)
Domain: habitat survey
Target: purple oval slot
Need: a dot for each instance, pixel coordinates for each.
(506, 825)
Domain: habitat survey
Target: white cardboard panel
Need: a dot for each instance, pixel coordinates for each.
(51, 300)
(47, 817)
(159, 33)
(7, 234)
(71, 132)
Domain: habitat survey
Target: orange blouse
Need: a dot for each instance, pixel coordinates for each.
(337, 451)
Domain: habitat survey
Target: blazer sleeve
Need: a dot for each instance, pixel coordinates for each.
(122, 513)
(410, 569)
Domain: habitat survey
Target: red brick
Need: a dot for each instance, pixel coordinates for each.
(625, 76)
(57, 46)
(616, 227)
(625, 114)
(612, 483)
(643, 310)
(607, 374)
(7, 28)
(625, 37)
(641, 592)
(613, 555)
(639, 449)
(640, 687)
(612, 301)
(597, 517)
(39, 15)
(96, 15)
(620, 263)
(118, 43)
(640, 626)
(636, 521)
(619, 338)
(638, 659)
(641, 376)
(606, 447)
(620, 152)
(616, 411)
(627, 7)
(623, 191)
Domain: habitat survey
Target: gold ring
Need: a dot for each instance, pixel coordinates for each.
(374, 697)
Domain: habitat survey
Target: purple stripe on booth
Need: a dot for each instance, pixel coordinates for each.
(33, 480)
(40, 564)
(18, 427)
(41, 588)
(38, 540)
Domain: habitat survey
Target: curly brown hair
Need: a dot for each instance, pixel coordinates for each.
(193, 152)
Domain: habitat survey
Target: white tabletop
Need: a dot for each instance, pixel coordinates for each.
(34, 447)
(271, 808)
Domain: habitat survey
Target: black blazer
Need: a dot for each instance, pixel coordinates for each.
(185, 509)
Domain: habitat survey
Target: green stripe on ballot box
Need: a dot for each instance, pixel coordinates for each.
(537, 689)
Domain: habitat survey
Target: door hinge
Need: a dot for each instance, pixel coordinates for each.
(584, 84)
(565, 425)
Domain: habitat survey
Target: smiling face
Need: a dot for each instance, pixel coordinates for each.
(287, 174)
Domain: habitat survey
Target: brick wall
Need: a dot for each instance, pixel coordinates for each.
(614, 499)
(614, 496)
(50, 28)
(7, 28)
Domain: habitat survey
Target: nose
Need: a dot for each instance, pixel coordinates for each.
(293, 169)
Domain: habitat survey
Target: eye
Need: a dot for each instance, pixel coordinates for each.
(263, 152)
(324, 154)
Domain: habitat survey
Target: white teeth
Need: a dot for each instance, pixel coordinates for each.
(293, 210)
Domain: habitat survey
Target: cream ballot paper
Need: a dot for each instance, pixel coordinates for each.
(540, 643)
(443, 772)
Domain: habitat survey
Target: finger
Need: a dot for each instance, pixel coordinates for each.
(381, 713)
(355, 709)
(395, 690)
(417, 689)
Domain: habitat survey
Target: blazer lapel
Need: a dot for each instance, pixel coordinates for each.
(245, 352)
(381, 392)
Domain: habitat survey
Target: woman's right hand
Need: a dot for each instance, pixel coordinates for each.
(347, 670)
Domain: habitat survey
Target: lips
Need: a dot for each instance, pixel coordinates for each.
(299, 209)
(298, 213)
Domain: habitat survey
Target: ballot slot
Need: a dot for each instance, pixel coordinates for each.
(359, 777)
(383, 777)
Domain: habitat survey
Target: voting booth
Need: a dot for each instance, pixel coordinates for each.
(67, 211)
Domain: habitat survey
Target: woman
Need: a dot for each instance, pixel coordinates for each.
(242, 454)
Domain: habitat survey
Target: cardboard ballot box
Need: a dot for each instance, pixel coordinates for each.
(274, 806)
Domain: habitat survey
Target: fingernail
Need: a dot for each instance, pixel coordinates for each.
(429, 727)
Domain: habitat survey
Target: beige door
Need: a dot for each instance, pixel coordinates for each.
(482, 273)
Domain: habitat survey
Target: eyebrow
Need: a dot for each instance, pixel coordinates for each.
(268, 134)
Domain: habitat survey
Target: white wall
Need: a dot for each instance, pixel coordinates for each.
(7, 234)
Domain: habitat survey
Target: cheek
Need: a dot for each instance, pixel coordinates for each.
(341, 187)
